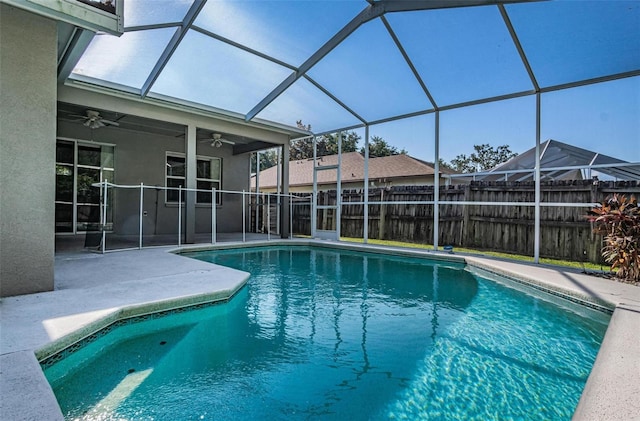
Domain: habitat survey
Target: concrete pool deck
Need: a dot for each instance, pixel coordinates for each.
(93, 290)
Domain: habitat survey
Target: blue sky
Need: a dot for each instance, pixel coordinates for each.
(459, 54)
(604, 118)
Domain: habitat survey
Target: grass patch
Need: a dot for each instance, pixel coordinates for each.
(556, 262)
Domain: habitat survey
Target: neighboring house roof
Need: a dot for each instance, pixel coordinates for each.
(554, 154)
(386, 167)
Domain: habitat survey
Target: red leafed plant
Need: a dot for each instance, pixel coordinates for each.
(618, 219)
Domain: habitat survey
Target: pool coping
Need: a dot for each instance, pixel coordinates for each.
(610, 393)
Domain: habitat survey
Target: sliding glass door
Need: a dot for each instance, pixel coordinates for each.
(79, 166)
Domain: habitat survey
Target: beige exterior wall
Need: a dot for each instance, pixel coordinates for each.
(28, 63)
(405, 181)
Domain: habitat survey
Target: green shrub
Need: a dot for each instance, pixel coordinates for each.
(618, 220)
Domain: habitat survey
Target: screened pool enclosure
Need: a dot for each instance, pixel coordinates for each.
(433, 77)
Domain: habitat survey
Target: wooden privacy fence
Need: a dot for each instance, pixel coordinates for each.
(564, 232)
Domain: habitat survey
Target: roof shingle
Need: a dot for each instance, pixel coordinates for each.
(386, 167)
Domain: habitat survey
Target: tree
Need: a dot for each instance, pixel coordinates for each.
(329, 143)
(379, 147)
(446, 165)
(484, 158)
(301, 149)
(326, 144)
(303, 126)
(268, 159)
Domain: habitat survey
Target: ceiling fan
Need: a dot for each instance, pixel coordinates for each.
(217, 140)
(94, 120)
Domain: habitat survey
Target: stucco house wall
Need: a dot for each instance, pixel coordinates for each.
(28, 64)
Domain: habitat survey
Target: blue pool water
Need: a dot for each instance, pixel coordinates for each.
(321, 334)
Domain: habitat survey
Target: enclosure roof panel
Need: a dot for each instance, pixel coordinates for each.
(196, 73)
(342, 64)
(578, 40)
(127, 60)
(368, 73)
(312, 107)
(290, 31)
(141, 13)
(462, 54)
(555, 155)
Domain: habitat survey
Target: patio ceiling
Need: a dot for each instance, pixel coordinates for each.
(347, 64)
(76, 114)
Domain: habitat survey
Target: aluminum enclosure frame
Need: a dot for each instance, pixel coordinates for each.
(374, 10)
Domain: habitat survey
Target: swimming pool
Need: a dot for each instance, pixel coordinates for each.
(318, 333)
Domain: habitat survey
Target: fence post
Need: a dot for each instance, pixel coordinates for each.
(594, 245)
(214, 218)
(278, 213)
(141, 216)
(325, 211)
(268, 217)
(179, 215)
(382, 217)
(313, 214)
(104, 217)
(465, 230)
(257, 212)
(290, 216)
(244, 217)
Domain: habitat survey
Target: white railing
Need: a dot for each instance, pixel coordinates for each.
(260, 200)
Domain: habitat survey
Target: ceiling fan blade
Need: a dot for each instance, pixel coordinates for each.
(93, 124)
(109, 122)
(217, 140)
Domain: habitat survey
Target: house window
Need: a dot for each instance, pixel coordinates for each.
(176, 176)
(208, 176)
(77, 203)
